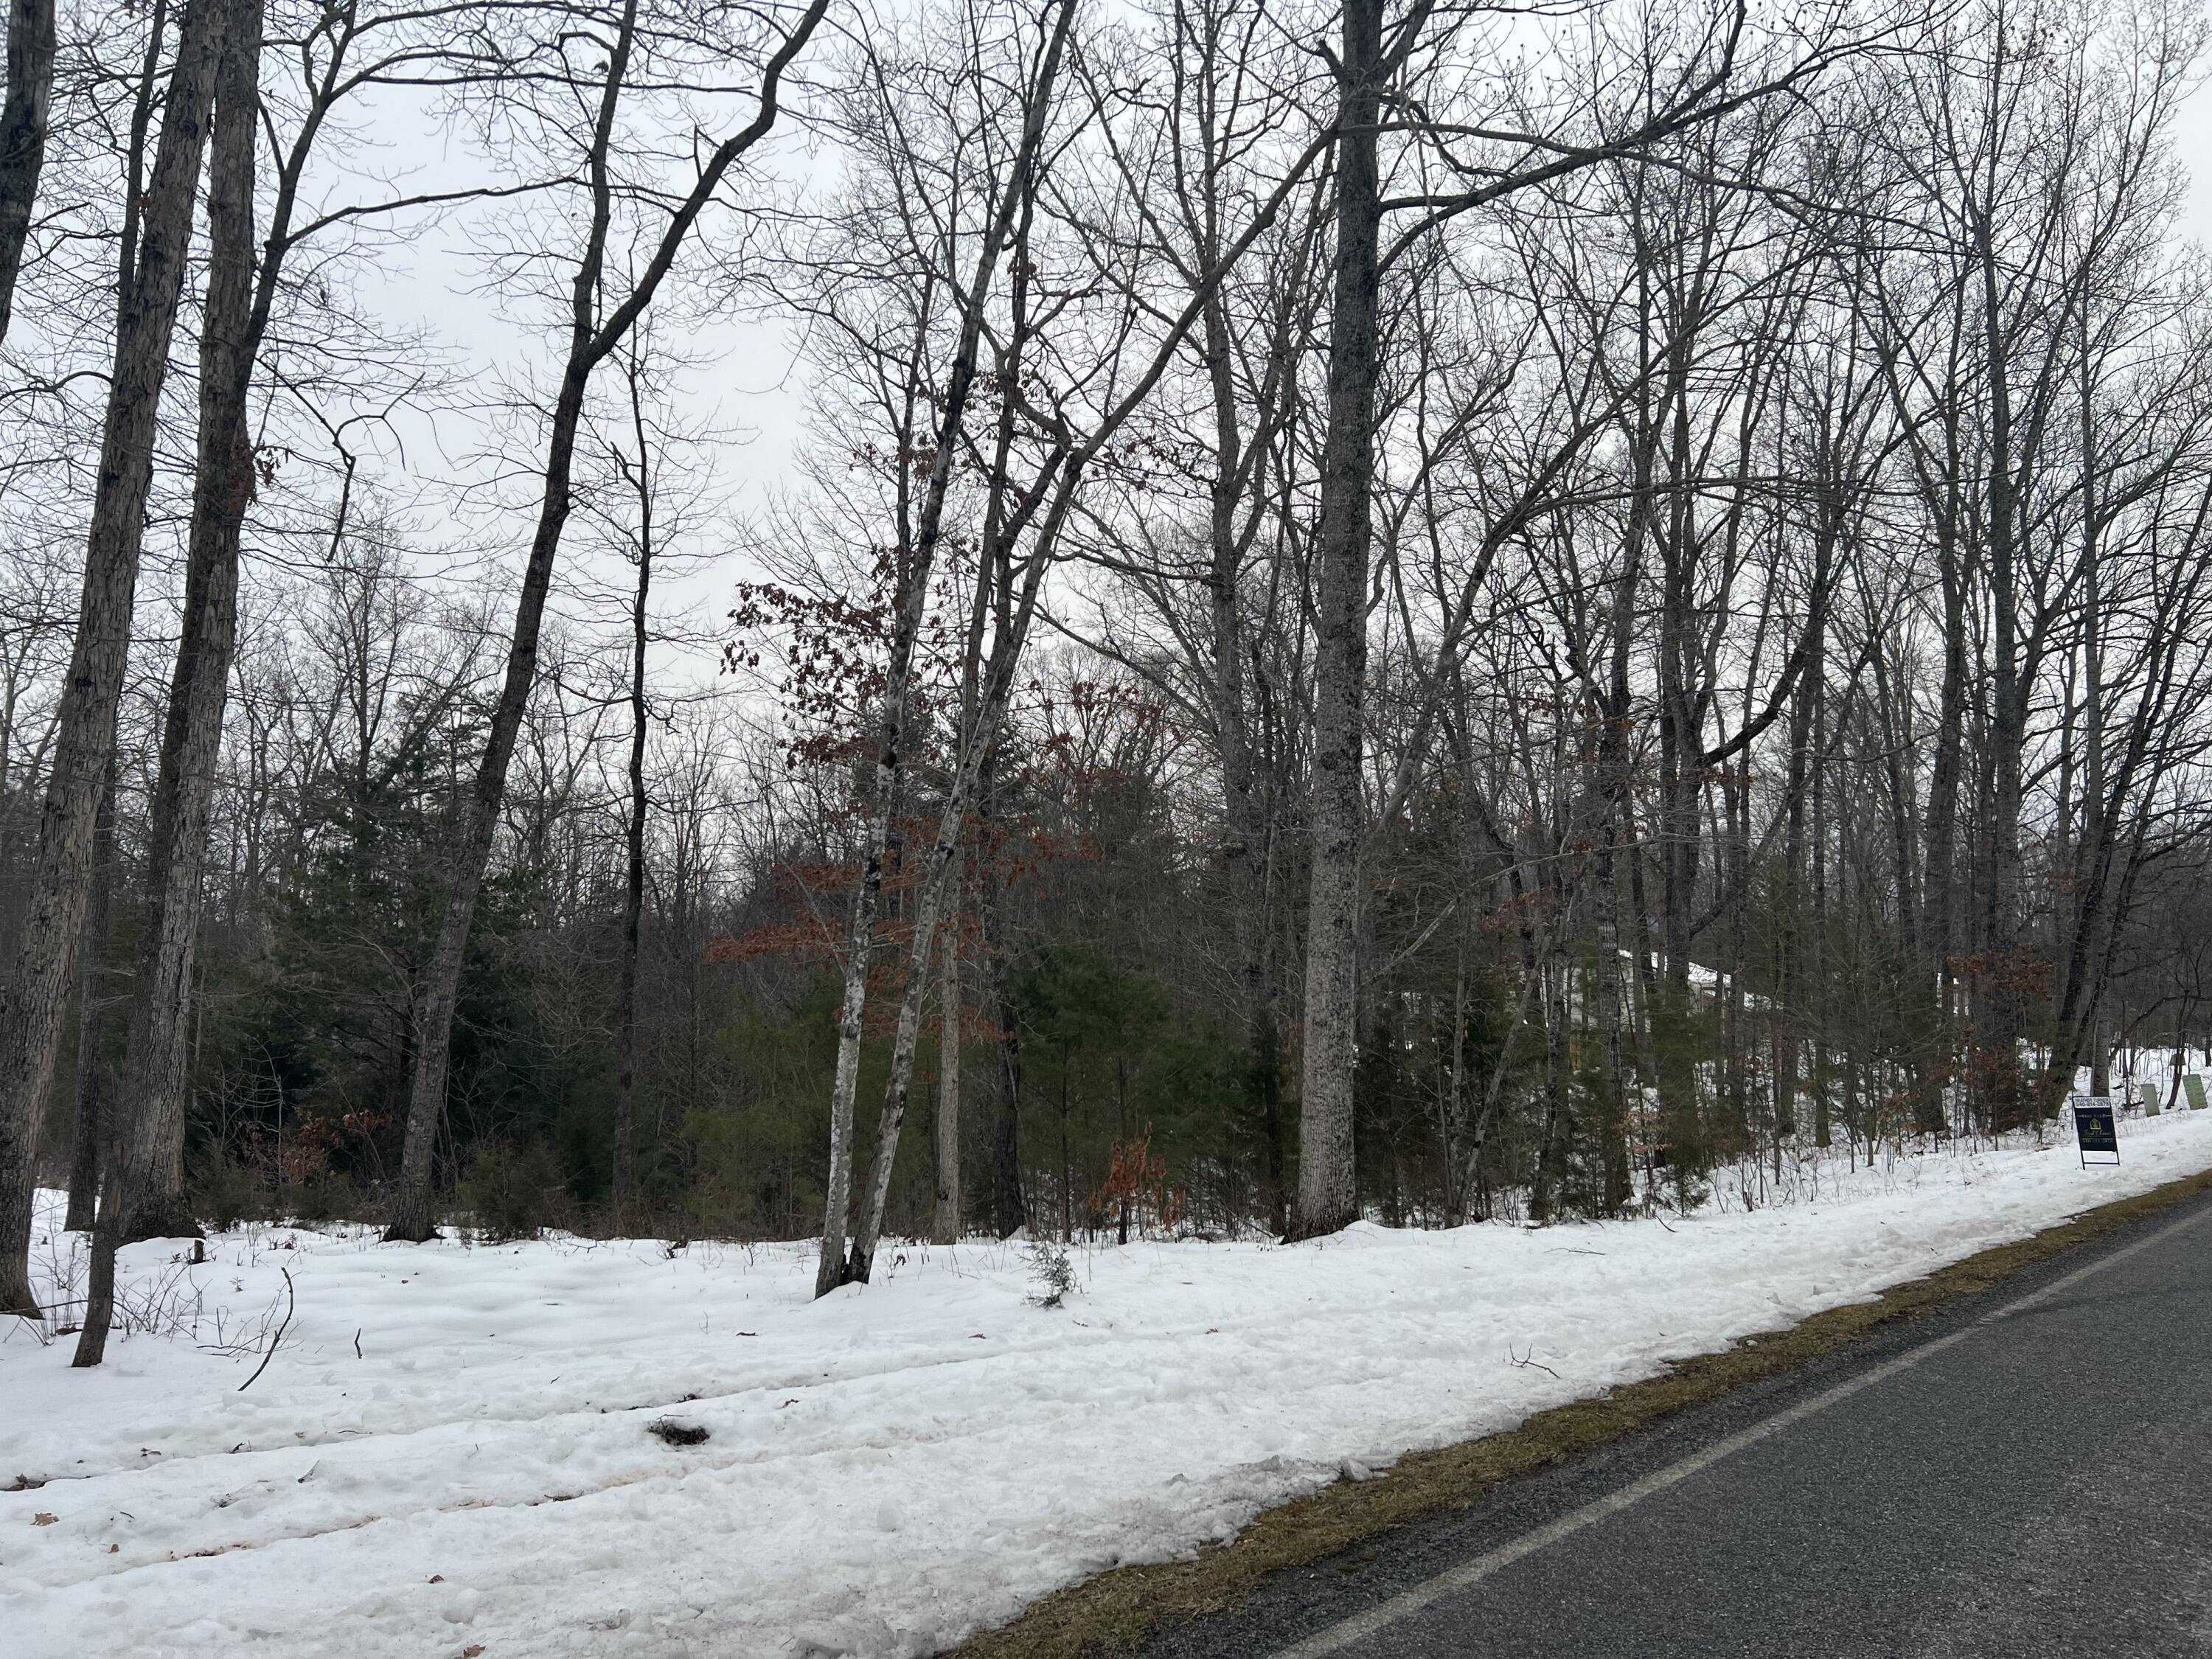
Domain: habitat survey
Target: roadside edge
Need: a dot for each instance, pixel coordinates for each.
(1117, 1610)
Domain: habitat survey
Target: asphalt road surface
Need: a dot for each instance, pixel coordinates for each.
(2025, 1473)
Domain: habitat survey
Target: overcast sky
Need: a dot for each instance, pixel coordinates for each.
(747, 380)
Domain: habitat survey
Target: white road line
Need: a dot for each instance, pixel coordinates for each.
(1468, 1574)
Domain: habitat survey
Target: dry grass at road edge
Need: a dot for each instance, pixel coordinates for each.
(1117, 1610)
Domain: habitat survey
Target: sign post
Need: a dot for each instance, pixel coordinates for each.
(2094, 1130)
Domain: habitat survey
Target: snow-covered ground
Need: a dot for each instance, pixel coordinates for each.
(450, 1450)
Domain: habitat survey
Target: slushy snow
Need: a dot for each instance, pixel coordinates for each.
(453, 1450)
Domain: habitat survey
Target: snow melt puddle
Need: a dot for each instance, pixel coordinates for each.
(455, 1448)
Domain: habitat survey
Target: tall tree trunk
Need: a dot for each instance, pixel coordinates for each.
(1328, 1195)
(155, 1066)
(978, 741)
(1735, 1026)
(945, 1224)
(833, 1266)
(1615, 1188)
(89, 1134)
(1245, 859)
(23, 121)
(145, 1196)
(899, 1085)
(1245, 851)
(1543, 1180)
(1999, 1010)
(1009, 1204)
(414, 1208)
(1619, 963)
(1939, 885)
(53, 924)
(2081, 984)
(1822, 980)
(633, 870)
(1792, 986)
(592, 338)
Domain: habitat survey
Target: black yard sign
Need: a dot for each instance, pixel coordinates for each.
(2094, 1130)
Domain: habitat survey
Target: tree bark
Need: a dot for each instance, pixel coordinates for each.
(625, 1177)
(23, 121)
(833, 1266)
(1328, 1198)
(1999, 1012)
(946, 1227)
(1792, 1012)
(184, 791)
(1009, 1204)
(1245, 856)
(89, 1134)
(145, 1195)
(53, 925)
(979, 740)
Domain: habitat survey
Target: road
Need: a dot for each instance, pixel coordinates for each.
(2025, 1473)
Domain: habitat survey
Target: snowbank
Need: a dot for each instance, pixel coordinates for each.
(450, 1450)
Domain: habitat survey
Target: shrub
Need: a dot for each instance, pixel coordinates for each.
(512, 1194)
(325, 1197)
(225, 1192)
(1054, 1276)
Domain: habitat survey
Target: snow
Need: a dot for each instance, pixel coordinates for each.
(887, 1470)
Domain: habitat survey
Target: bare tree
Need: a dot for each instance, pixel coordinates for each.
(30, 1030)
(185, 789)
(597, 323)
(633, 825)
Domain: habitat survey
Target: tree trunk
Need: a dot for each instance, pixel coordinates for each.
(624, 1179)
(1823, 980)
(1328, 1196)
(413, 1218)
(899, 1086)
(1999, 1012)
(945, 1228)
(2080, 985)
(833, 1266)
(53, 924)
(592, 338)
(154, 1068)
(978, 741)
(145, 1198)
(1009, 1205)
(1615, 1188)
(1543, 1180)
(1792, 985)
(1939, 885)
(89, 1134)
(23, 122)
(1245, 851)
